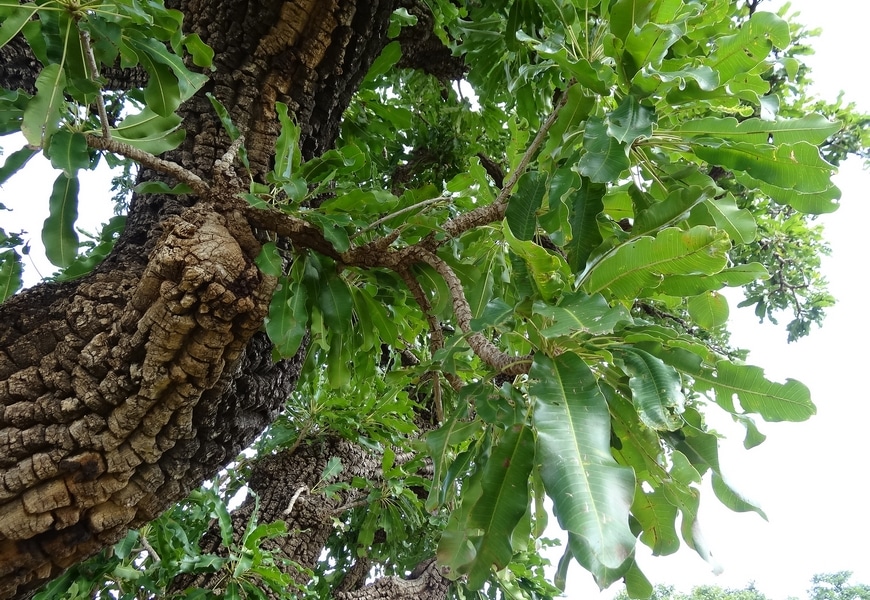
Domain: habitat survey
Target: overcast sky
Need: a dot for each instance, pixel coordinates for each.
(810, 478)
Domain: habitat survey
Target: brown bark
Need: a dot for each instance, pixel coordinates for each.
(122, 391)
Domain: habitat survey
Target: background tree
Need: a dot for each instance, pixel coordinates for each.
(825, 586)
(426, 313)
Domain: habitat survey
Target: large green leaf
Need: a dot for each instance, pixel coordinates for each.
(709, 310)
(504, 501)
(150, 132)
(10, 273)
(288, 155)
(441, 443)
(692, 285)
(42, 114)
(522, 208)
(58, 231)
(630, 121)
(68, 152)
(591, 493)
(813, 128)
(725, 214)
(15, 17)
(813, 203)
(579, 313)
(797, 166)
(15, 162)
(657, 517)
(747, 50)
(669, 211)
(732, 498)
(549, 270)
(585, 205)
(656, 389)
(287, 322)
(643, 262)
(605, 158)
(789, 401)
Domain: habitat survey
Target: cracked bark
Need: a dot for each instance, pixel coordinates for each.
(122, 391)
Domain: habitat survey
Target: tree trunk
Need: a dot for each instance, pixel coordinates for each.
(122, 391)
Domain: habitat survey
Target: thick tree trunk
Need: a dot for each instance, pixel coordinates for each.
(122, 391)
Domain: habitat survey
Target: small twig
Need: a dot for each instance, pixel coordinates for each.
(299, 439)
(436, 334)
(485, 349)
(495, 211)
(295, 497)
(224, 165)
(94, 73)
(149, 549)
(345, 507)
(397, 213)
(199, 186)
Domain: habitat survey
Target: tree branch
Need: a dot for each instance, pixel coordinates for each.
(200, 187)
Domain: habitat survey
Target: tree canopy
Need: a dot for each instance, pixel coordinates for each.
(443, 269)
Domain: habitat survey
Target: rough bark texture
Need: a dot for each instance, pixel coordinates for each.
(122, 391)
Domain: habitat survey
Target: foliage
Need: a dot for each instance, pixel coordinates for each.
(624, 161)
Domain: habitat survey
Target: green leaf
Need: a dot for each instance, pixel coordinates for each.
(389, 56)
(269, 260)
(656, 389)
(692, 285)
(585, 205)
(789, 401)
(15, 162)
(643, 262)
(549, 271)
(605, 158)
(521, 213)
(709, 310)
(670, 210)
(162, 94)
(68, 152)
(797, 166)
(812, 203)
(161, 187)
(733, 499)
(579, 313)
(153, 55)
(440, 444)
(724, 213)
(813, 128)
(150, 132)
(58, 231)
(630, 121)
(287, 322)
(13, 23)
(657, 517)
(222, 113)
(287, 153)
(200, 52)
(10, 274)
(747, 50)
(42, 114)
(505, 499)
(591, 493)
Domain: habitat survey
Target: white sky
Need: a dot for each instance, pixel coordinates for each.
(810, 478)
